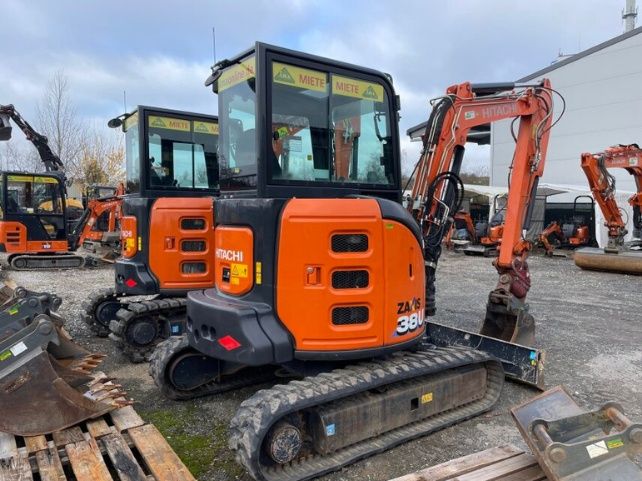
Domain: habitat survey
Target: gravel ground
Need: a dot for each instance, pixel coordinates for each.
(588, 323)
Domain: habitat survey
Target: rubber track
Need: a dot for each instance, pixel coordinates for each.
(163, 309)
(169, 348)
(253, 420)
(34, 263)
(88, 310)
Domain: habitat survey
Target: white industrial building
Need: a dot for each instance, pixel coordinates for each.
(602, 87)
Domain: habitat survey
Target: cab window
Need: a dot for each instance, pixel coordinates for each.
(132, 153)
(328, 128)
(182, 154)
(33, 195)
(236, 89)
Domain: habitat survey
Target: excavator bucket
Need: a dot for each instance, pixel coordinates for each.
(594, 259)
(45, 381)
(508, 319)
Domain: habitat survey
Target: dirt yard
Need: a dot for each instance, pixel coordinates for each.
(590, 325)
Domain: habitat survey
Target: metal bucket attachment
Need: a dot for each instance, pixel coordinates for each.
(594, 259)
(508, 319)
(41, 391)
(571, 444)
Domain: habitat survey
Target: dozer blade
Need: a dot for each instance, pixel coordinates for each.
(521, 363)
(594, 259)
(508, 319)
(571, 444)
(40, 394)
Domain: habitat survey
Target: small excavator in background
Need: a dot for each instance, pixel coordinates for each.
(489, 234)
(572, 234)
(324, 275)
(35, 228)
(462, 231)
(166, 229)
(617, 256)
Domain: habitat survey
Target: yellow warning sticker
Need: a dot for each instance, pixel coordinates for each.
(358, 89)
(45, 180)
(614, 443)
(205, 127)
(259, 275)
(426, 398)
(299, 77)
(131, 121)
(236, 74)
(168, 123)
(20, 178)
(239, 270)
(235, 281)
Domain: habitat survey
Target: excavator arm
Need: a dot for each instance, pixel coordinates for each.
(49, 158)
(438, 190)
(602, 185)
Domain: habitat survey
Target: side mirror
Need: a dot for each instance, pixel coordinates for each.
(115, 123)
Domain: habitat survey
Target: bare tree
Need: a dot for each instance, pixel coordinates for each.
(58, 120)
(15, 158)
(102, 159)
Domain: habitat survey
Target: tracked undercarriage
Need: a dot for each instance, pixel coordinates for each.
(137, 326)
(321, 423)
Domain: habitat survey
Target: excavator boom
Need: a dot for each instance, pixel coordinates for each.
(438, 190)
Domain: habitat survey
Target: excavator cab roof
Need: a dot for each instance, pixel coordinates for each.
(298, 125)
(169, 152)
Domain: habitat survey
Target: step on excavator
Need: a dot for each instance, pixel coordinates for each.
(35, 229)
(45, 378)
(321, 272)
(573, 233)
(618, 255)
(167, 231)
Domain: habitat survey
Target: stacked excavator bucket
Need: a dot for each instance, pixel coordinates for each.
(45, 378)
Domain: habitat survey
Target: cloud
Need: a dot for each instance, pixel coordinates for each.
(160, 52)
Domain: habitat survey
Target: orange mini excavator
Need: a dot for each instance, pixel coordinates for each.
(573, 234)
(617, 256)
(321, 273)
(461, 231)
(35, 228)
(167, 232)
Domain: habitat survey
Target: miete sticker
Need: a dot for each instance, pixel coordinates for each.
(358, 89)
(5, 355)
(426, 398)
(205, 127)
(169, 123)
(299, 77)
(13, 310)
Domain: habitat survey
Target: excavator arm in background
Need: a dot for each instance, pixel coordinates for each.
(438, 190)
(602, 185)
(40, 142)
(553, 229)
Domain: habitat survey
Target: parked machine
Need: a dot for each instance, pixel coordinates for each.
(573, 233)
(35, 229)
(167, 231)
(319, 267)
(489, 234)
(617, 256)
(462, 231)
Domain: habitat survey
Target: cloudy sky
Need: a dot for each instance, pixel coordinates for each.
(159, 52)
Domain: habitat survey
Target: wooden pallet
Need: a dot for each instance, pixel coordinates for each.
(117, 446)
(505, 463)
